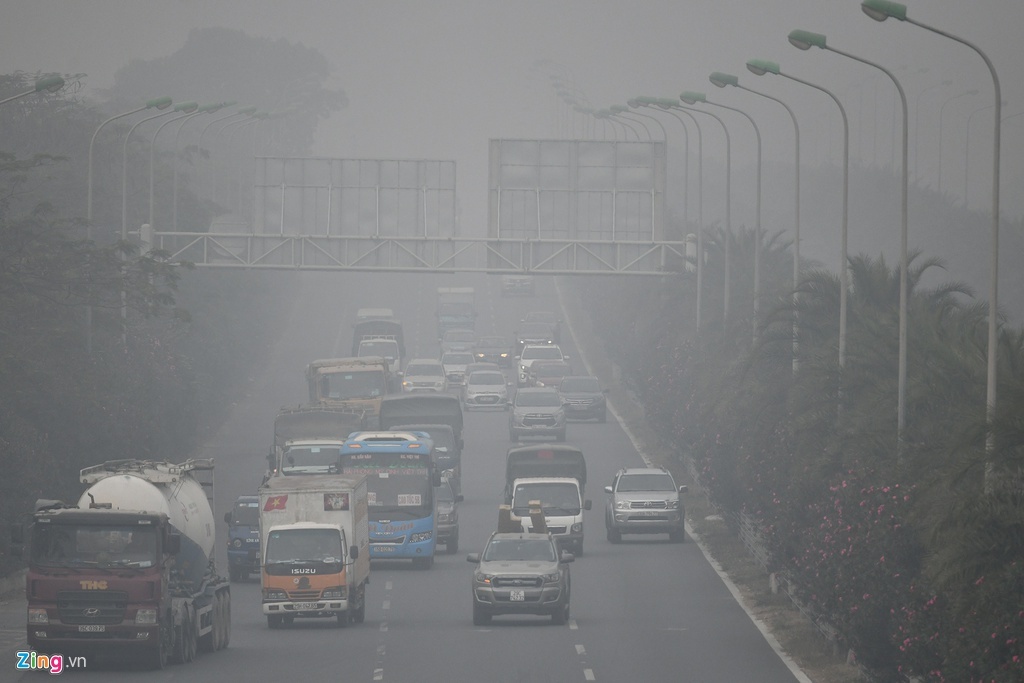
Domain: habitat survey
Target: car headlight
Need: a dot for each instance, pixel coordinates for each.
(406, 383)
(503, 355)
(438, 385)
(421, 536)
(38, 616)
(577, 528)
(444, 517)
(622, 505)
(672, 504)
(337, 593)
(272, 594)
(481, 578)
(552, 578)
(145, 616)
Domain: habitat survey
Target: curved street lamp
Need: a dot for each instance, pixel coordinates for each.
(692, 98)
(760, 67)
(880, 10)
(50, 84)
(622, 112)
(638, 102)
(805, 40)
(183, 110)
(204, 109)
(721, 80)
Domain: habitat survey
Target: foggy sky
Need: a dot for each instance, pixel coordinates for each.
(437, 79)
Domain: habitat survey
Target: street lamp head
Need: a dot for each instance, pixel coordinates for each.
(665, 102)
(160, 103)
(210, 108)
(602, 113)
(760, 67)
(617, 108)
(880, 10)
(49, 84)
(691, 97)
(805, 40)
(633, 103)
(645, 100)
(723, 79)
(186, 107)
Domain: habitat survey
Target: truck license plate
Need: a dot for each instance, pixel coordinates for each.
(92, 628)
(306, 605)
(517, 596)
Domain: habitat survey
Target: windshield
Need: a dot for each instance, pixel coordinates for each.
(398, 484)
(541, 399)
(646, 482)
(542, 352)
(304, 545)
(424, 370)
(387, 349)
(348, 385)
(106, 545)
(580, 384)
(487, 378)
(457, 359)
(246, 514)
(559, 497)
(310, 460)
(522, 549)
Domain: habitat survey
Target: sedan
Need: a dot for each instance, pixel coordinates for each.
(520, 573)
(485, 389)
(584, 398)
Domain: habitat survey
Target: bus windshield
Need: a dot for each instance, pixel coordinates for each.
(399, 485)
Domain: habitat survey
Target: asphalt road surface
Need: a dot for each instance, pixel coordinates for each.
(643, 610)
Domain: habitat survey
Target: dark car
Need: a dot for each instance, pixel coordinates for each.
(448, 516)
(519, 573)
(548, 373)
(532, 333)
(584, 398)
(493, 349)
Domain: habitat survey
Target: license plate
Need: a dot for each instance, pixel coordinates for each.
(92, 628)
(383, 549)
(517, 596)
(306, 605)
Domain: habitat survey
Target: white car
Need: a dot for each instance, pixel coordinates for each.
(424, 374)
(532, 352)
(485, 389)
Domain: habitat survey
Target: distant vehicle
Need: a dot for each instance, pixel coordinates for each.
(485, 389)
(584, 398)
(356, 383)
(376, 328)
(517, 285)
(532, 333)
(385, 347)
(493, 349)
(644, 500)
(556, 476)
(243, 520)
(537, 412)
(455, 363)
(426, 411)
(549, 317)
(534, 352)
(548, 373)
(519, 573)
(374, 314)
(448, 516)
(424, 374)
(458, 340)
(455, 309)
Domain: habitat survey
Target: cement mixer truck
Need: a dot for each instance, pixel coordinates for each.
(129, 570)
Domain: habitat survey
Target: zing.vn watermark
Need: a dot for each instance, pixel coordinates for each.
(55, 664)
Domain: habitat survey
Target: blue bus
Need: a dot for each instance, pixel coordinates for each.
(400, 480)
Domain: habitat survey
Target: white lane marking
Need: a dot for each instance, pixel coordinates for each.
(383, 626)
(588, 674)
(386, 604)
(378, 674)
(387, 585)
(573, 626)
(580, 650)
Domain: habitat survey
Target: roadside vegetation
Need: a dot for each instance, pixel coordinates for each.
(911, 558)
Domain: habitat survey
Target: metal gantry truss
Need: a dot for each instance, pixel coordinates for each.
(422, 254)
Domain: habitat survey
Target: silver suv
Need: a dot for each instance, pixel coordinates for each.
(644, 500)
(521, 573)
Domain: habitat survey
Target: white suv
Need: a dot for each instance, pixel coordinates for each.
(424, 374)
(532, 352)
(644, 500)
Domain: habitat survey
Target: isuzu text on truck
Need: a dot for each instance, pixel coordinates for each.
(128, 571)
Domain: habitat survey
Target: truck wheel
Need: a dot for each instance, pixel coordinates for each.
(274, 621)
(561, 615)
(480, 617)
(360, 614)
(343, 619)
(158, 655)
(225, 622)
(452, 546)
(185, 648)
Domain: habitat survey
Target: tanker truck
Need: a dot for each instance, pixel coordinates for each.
(129, 570)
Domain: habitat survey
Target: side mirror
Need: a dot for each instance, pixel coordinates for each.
(172, 543)
(353, 552)
(566, 558)
(227, 518)
(459, 498)
(473, 557)
(587, 505)
(683, 489)
(608, 489)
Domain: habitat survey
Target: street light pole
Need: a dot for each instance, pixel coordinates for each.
(49, 84)
(637, 102)
(721, 80)
(760, 67)
(880, 10)
(805, 40)
(693, 98)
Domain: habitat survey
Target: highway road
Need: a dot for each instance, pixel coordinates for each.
(642, 610)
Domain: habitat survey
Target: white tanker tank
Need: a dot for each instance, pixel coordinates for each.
(160, 487)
